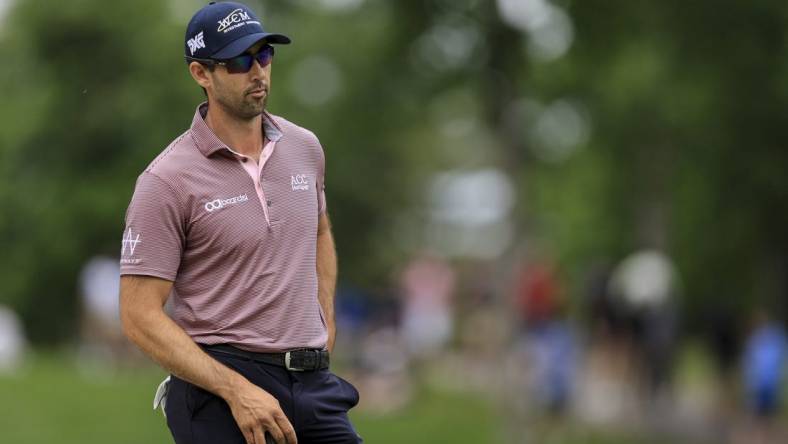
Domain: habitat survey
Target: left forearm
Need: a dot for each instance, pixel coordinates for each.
(326, 276)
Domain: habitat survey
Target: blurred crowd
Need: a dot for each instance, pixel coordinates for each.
(610, 351)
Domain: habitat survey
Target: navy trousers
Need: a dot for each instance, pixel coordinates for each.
(316, 403)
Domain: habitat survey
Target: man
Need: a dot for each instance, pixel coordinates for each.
(230, 222)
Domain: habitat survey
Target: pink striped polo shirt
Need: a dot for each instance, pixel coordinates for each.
(238, 240)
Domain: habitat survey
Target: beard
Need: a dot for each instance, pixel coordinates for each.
(243, 106)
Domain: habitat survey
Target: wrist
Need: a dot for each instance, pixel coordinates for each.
(232, 384)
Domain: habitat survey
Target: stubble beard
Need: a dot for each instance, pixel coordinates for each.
(243, 108)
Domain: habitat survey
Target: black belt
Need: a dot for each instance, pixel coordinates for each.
(300, 360)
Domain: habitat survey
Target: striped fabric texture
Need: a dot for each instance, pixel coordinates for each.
(241, 252)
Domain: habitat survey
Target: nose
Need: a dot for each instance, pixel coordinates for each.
(257, 72)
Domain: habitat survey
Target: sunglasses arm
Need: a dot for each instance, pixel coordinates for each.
(203, 61)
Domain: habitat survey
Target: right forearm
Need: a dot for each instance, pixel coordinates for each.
(167, 344)
(142, 314)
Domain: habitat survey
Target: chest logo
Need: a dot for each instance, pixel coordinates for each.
(218, 204)
(299, 182)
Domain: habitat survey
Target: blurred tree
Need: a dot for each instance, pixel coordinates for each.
(688, 104)
(91, 96)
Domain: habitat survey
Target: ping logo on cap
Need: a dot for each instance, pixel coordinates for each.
(196, 42)
(235, 19)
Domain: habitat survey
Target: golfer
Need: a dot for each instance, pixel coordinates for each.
(229, 222)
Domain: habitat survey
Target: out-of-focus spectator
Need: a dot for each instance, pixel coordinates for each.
(634, 327)
(12, 340)
(353, 317)
(352, 309)
(763, 365)
(102, 338)
(724, 332)
(427, 284)
(604, 316)
(372, 349)
(100, 281)
(646, 282)
(537, 294)
(547, 339)
(385, 380)
(723, 327)
(605, 394)
(554, 351)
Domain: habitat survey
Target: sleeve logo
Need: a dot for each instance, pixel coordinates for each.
(129, 243)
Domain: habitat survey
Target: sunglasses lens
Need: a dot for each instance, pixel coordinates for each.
(243, 63)
(240, 64)
(265, 55)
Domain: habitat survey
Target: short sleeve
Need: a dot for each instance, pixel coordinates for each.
(153, 238)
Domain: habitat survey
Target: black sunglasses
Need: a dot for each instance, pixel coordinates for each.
(242, 63)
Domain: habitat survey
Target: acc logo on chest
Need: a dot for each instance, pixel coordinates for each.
(299, 182)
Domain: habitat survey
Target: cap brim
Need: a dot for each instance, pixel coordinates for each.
(237, 47)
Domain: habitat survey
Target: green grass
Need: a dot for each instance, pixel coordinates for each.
(52, 400)
(435, 417)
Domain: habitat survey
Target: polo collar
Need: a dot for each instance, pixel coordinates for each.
(207, 141)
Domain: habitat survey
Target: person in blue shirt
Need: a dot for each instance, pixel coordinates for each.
(764, 357)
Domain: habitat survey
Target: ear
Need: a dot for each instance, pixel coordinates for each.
(200, 74)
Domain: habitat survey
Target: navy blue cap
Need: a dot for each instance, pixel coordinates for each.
(225, 30)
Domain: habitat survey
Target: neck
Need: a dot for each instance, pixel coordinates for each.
(243, 136)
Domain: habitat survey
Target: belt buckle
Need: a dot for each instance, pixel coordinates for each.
(309, 360)
(287, 363)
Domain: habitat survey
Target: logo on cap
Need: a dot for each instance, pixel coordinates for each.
(233, 20)
(196, 43)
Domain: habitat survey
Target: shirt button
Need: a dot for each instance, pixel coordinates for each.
(268, 202)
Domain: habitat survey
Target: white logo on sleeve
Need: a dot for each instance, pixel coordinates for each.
(196, 43)
(299, 182)
(218, 204)
(235, 19)
(129, 243)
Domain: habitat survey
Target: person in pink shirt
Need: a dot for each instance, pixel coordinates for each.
(229, 223)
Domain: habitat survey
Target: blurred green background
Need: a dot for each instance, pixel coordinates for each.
(605, 128)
